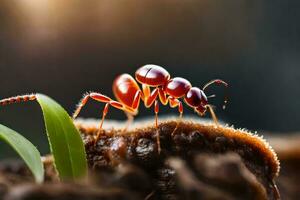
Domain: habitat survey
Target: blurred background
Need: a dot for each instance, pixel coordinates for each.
(65, 48)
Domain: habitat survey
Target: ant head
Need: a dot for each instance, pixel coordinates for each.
(196, 99)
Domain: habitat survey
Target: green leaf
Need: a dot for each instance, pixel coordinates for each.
(26, 150)
(65, 142)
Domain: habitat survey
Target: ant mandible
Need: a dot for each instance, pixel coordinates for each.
(169, 90)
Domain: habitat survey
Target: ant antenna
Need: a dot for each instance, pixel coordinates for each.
(218, 82)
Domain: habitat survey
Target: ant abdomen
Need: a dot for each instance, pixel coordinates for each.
(125, 89)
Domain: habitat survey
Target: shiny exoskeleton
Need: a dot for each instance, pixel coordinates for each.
(129, 94)
(166, 90)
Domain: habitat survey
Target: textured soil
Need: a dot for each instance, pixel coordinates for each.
(196, 161)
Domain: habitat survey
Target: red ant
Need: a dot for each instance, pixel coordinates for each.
(128, 95)
(169, 90)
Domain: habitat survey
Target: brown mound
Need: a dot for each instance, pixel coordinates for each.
(139, 146)
(197, 161)
(287, 146)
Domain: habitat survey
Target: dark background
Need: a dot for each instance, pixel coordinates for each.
(65, 48)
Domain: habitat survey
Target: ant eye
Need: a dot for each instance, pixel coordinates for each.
(193, 97)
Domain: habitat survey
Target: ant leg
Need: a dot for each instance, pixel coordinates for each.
(173, 103)
(17, 99)
(146, 92)
(128, 122)
(136, 100)
(156, 110)
(212, 113)
(162, 96)
(218, 82)
(101, 98)
(93, 95)
(104, 113)
(135, 105)
(149, 100)
(115, 104)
